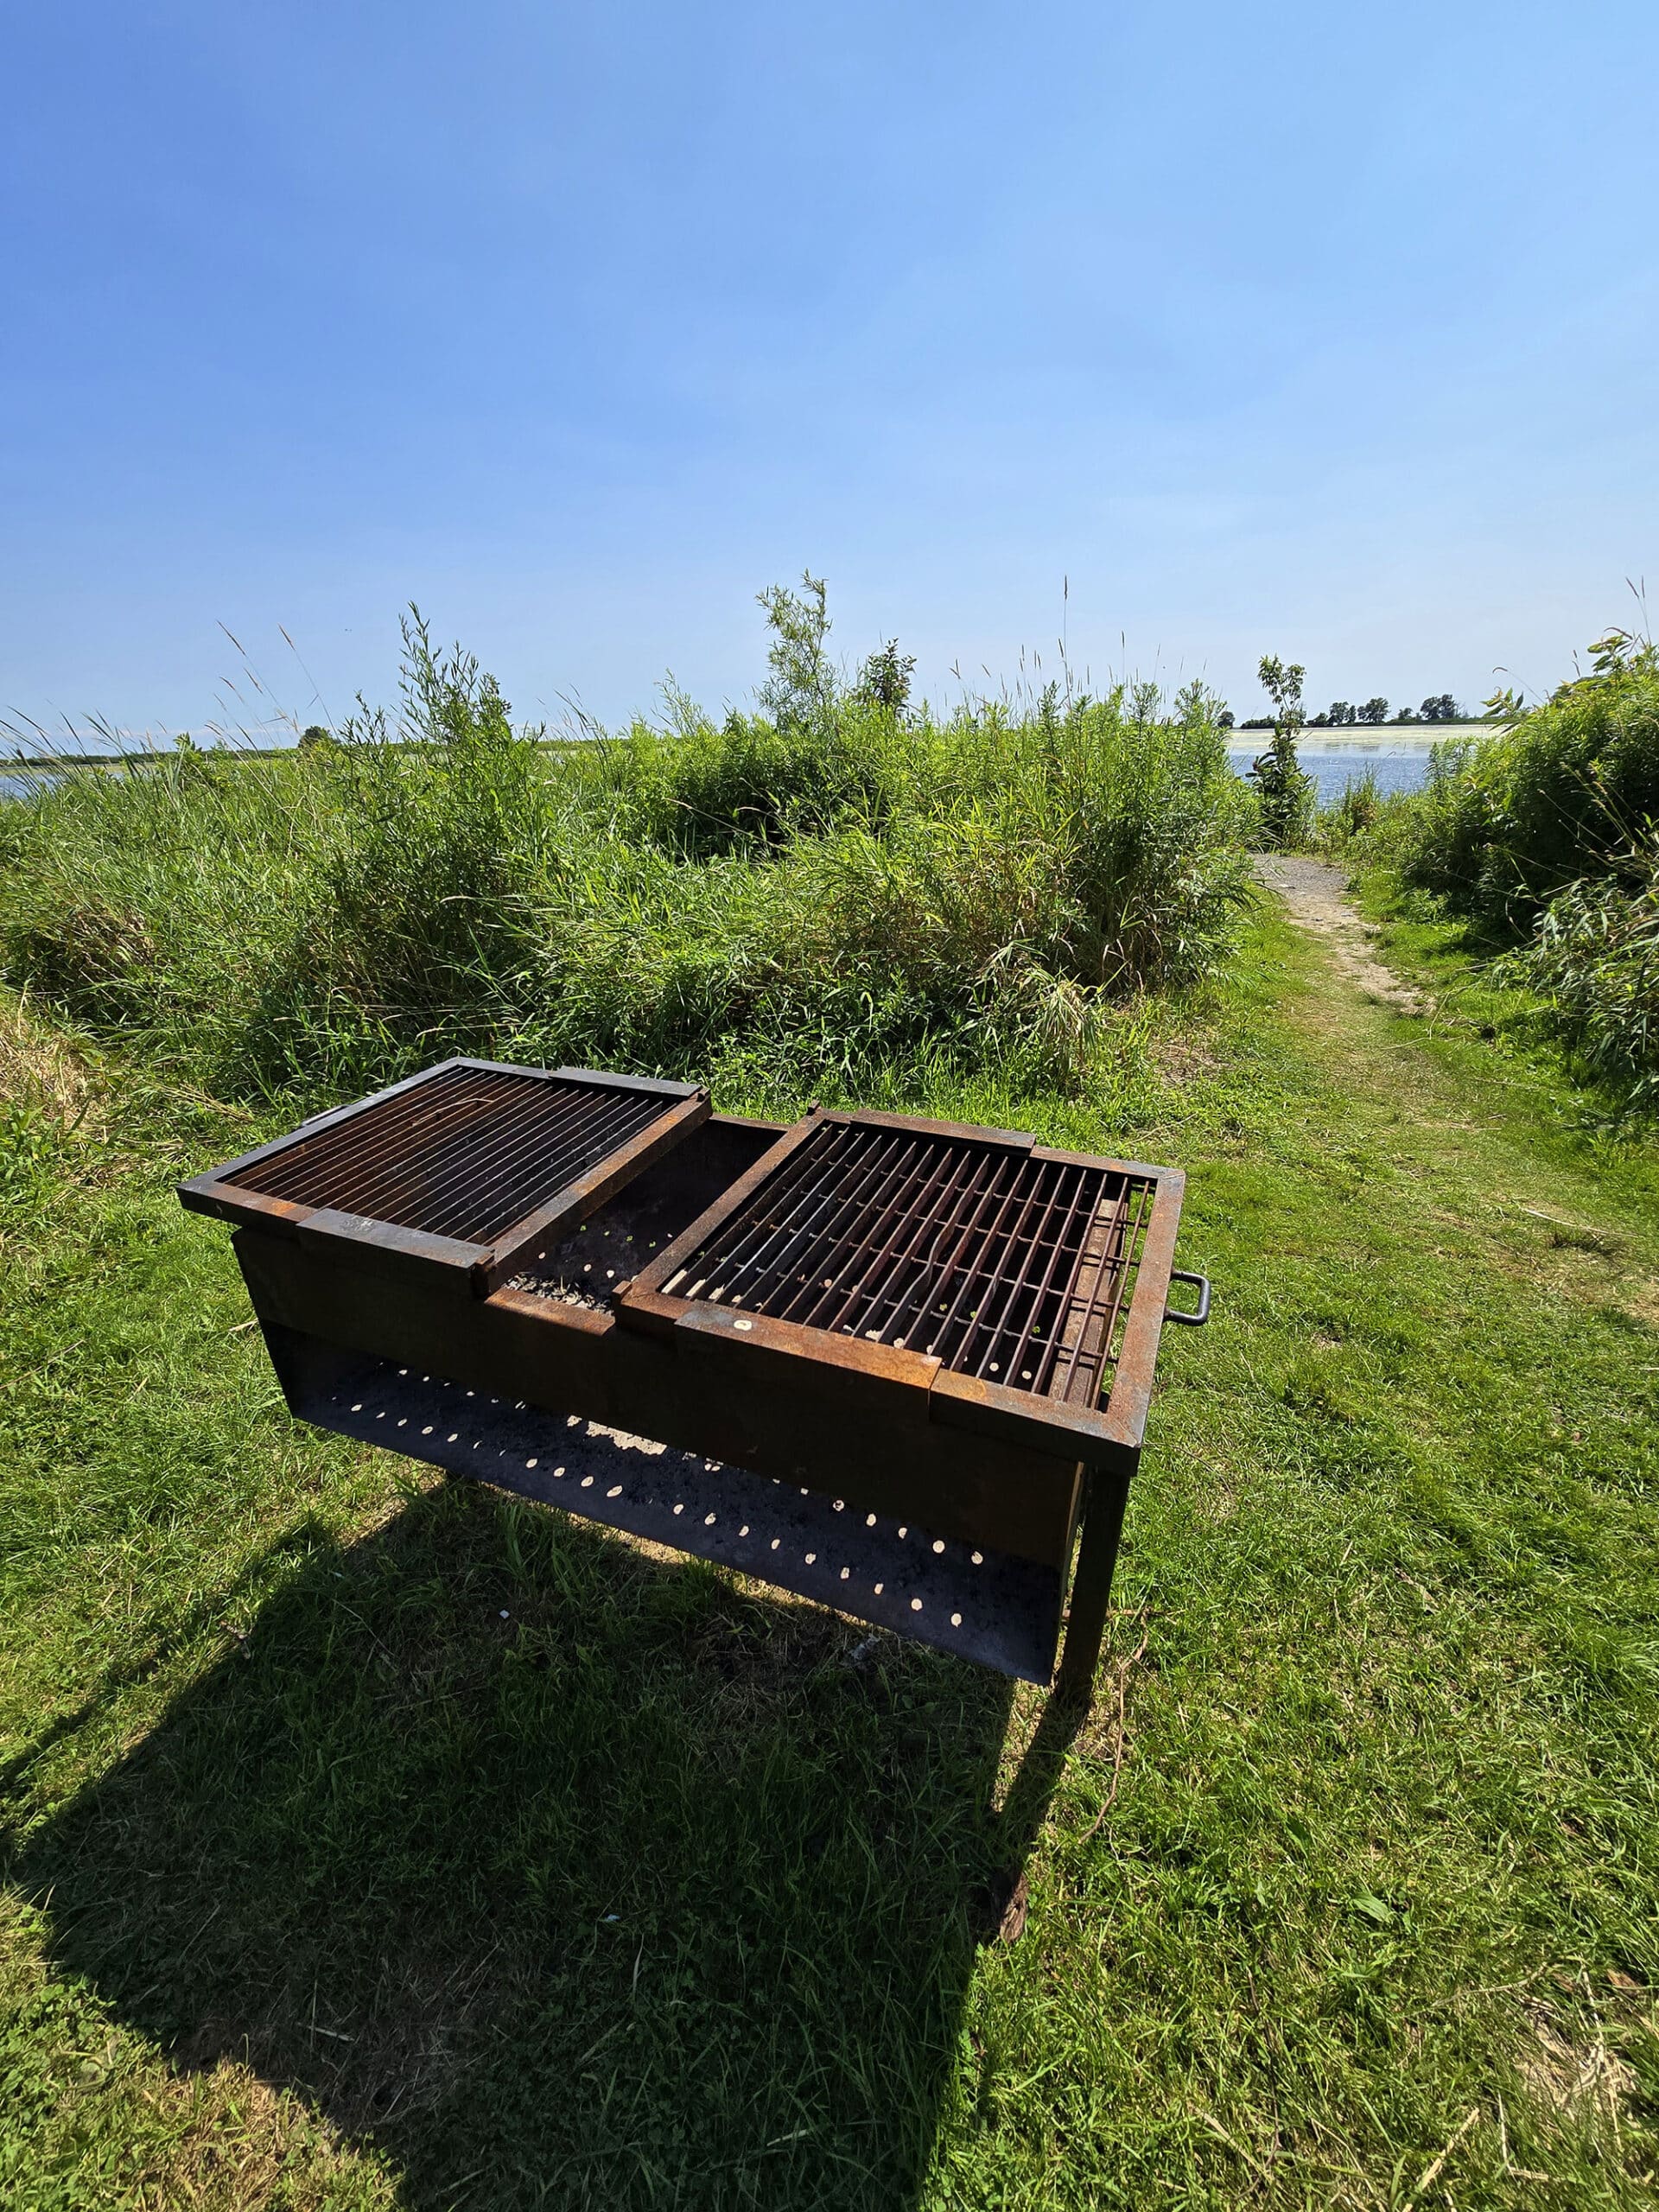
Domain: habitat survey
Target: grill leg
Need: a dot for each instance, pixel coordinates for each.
(1091, 1585)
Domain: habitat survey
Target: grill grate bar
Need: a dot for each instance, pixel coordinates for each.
(872, 1298)
(972, 1270)
(879, 1167)
(1061, 1315)
(339, 1150)
(1080, 1384)
(462, 1155)
(1030, 1209)
(743, 1243)
(957, 1176)
(511, 1168)
(538, 1179)
(839, 1172)
(936, 1276)
(448, 1180)
(1062, 1232)
(419, 1157)
(532, 1183)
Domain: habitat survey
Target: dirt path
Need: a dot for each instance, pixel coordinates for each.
(1316, 896)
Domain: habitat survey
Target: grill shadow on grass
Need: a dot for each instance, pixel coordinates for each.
(651, 1890)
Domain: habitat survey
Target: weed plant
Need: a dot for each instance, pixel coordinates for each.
(1594, 959)
(1355, 814)
(838, 887)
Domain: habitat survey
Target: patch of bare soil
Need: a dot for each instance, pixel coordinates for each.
(1316, 897)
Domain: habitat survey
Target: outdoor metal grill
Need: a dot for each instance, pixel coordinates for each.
(900, 1366)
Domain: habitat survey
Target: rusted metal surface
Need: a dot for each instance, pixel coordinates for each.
(464, 1168)
(1000, 1260)
(928, 1326)
(958, 1598)
(797, 1420)
(992, 1274)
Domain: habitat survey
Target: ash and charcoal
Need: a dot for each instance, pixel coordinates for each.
(564, 1293)
(588, 1269)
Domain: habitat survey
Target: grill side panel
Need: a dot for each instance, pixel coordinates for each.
(795, 1421)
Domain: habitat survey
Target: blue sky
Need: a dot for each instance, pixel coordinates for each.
(1324, 331)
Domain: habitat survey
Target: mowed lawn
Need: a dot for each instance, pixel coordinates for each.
(373, 1841)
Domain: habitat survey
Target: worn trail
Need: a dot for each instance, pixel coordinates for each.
(1316, 897)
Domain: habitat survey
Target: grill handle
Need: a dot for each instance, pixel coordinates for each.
(1201, 1314)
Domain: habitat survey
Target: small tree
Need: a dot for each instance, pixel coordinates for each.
(801, 690)
(1284, 792)
(1375, 710)
(884, 680)
(1337, 713)
(1442, 708)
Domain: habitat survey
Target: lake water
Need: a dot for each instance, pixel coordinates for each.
(1399, 763)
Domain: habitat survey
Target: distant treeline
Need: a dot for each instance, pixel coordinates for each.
(1339, 715)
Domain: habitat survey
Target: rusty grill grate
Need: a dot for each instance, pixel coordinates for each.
(1008, 1265)
(464, 1155)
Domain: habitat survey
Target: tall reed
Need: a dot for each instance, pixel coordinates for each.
(872, 890)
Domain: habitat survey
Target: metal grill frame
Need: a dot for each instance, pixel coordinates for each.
(1132, 1312)
(487, 1261)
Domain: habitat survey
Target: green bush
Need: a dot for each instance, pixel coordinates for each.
(842, 887)
(1285, 792)
(1505, 824)
(1355, 814)
(701, 790)
(1593, 958)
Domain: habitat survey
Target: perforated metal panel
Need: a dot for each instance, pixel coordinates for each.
(959, 1597)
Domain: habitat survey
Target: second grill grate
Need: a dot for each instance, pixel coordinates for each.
(1004, 1262)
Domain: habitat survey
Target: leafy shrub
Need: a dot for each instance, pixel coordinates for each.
(842, 887)
(1504, 825)
(1593, 958)
(1358, 810)
(1285, 792)
(702, 790)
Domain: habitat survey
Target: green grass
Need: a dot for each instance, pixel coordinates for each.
(328, 1884)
